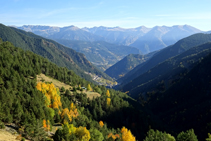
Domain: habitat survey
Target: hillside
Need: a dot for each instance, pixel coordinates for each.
(59, 54)
(171, 51)
(119, 69)
(101, 54)
(187, 103)
(35, 107)
(165, 74)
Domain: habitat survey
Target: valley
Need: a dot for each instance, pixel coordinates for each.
(107, 70)
(50, 90)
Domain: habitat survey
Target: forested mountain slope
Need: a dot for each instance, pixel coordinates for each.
(166, 53)
(40, 111)
(35, 107)
(55, 52)
(187, 103)
(165, 74)
(122, 67)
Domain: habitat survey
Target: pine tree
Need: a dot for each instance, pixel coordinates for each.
(96, 135)
(189, 135)
(209, 137)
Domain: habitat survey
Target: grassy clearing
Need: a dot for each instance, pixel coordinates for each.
(7, 136)
(59, 84)
(92, 95)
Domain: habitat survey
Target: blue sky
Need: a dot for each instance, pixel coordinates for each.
(123, 13)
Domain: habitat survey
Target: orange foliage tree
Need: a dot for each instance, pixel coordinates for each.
(127, 135)
(113, 136)
(46, 125)
(101, 123)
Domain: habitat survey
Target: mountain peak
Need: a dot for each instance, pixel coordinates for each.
(144, 29)
(72, 27)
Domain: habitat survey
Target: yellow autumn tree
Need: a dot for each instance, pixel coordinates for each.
(82, 134)
(101, 123)
(71, 128)
(107, 93)
(127, 135)
(72, 113)
(108, 101)
(52, 94)
(39, 86)
(89, 88)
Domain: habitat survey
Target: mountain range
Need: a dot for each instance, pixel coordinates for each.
(101, 54)
(143, 38)
(55, 52)
(165, 74)
(166, 53)
(171, 85)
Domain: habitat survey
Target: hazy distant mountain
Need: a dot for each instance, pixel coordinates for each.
(145, 39)
(67, 33)
(119, 35)
(208, 32)
(163, 36)
(44, 31)
(102, 54)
